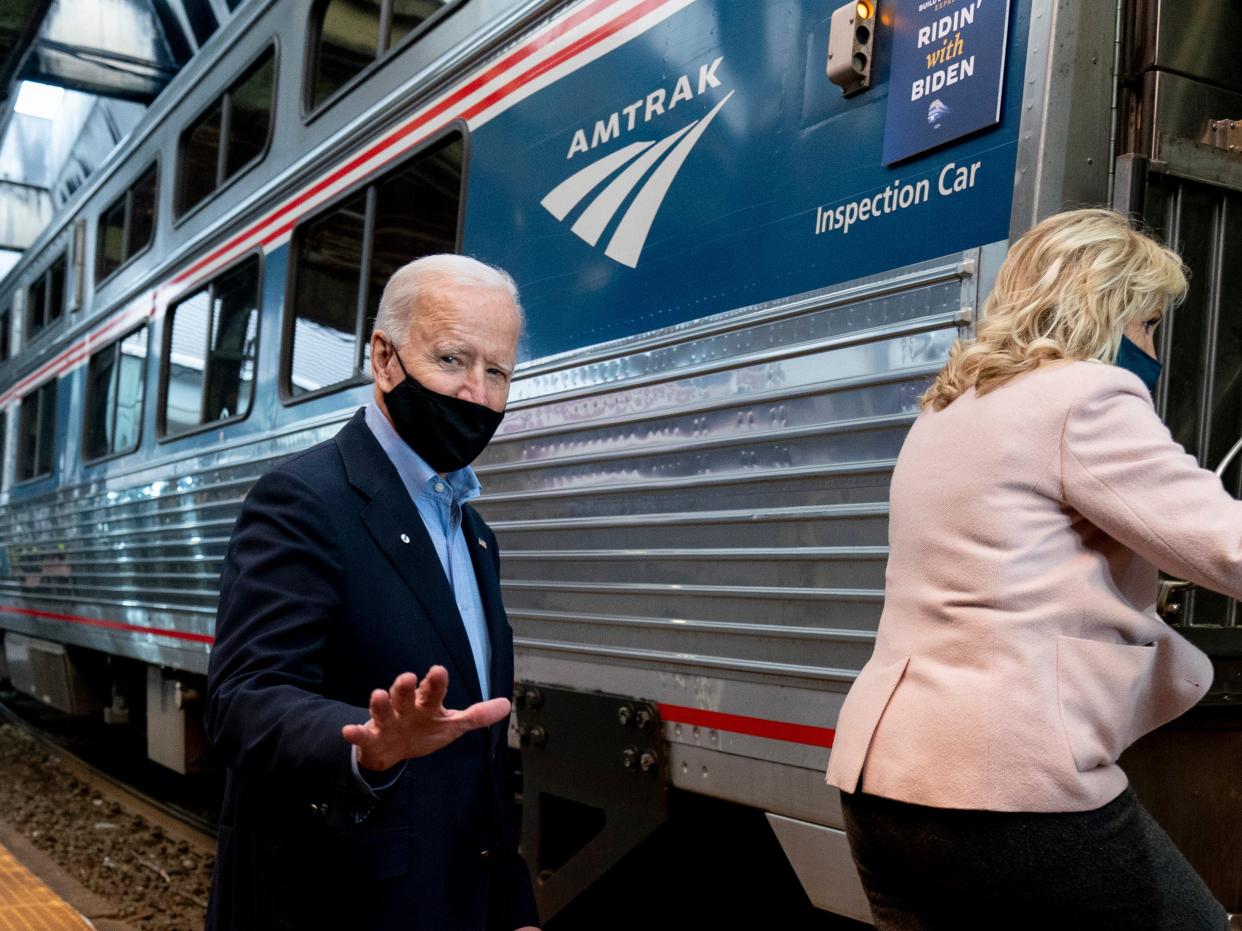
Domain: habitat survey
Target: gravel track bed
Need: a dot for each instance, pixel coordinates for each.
(156, 881)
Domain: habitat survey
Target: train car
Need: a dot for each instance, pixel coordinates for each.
(746, 235)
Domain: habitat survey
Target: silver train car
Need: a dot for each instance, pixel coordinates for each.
(746, 235)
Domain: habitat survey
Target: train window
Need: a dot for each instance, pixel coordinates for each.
(5, 323)
(114, 388)
(127, 226)
(45, 301)
(36, 437)
(343, 257)
(208, 374)
(229, 136)
(351, 34)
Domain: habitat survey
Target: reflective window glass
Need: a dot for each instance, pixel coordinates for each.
(212, 341)
(130, 384)
(250, 116)
(412, 211)
(36, 440)
(100, 397)
(47, 429)
(56, 290)
(326, 321)
(187, 343)
(45, 299)
(234, 328)
(231, 134)
(408, 15)
(347, 41)
(111, 239)
(351, 34)
(142, 214)
(200, 158)
(36, 307)
(114, 388)
(127, 227)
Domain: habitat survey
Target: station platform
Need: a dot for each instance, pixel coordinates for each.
(29, 904)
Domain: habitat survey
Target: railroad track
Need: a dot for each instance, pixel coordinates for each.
(178, 820)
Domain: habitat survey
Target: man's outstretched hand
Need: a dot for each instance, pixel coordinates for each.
(410, 720)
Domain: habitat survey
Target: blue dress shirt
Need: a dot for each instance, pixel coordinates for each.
(439, 501)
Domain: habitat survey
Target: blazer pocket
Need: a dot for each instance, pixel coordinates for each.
(1100, 689)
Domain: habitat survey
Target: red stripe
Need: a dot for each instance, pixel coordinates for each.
(108, 625)
(754, 727)
(580, 45)
(542, 68)
(76, 348)
(456, 97)
(568, 52)
(677, 714)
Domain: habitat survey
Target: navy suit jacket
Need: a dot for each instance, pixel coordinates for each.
(321, 601)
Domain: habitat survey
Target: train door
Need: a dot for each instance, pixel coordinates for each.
(1181, 175)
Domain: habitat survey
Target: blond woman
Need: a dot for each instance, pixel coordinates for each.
(1018, 652)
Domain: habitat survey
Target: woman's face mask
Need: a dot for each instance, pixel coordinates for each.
(1133, 359)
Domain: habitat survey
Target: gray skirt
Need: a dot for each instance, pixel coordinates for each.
(927, 869)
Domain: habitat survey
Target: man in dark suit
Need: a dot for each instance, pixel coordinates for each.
(352, 565)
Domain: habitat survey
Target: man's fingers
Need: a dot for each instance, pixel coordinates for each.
(381, 708)
(483, 714)
(404, 693)
(435, 686)
(358, 734)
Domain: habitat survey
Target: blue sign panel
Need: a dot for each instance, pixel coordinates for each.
(706, 164)
(948, 72)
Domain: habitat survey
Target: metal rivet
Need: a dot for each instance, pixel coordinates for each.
(405, 538)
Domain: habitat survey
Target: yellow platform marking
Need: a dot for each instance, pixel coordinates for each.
(26, 904)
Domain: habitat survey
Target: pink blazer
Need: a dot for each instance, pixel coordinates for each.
(1019, 651)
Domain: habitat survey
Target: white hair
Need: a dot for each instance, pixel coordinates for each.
(410, 282)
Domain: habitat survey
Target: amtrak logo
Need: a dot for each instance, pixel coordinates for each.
(653, 164)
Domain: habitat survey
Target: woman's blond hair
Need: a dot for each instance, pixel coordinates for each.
(1066, 290)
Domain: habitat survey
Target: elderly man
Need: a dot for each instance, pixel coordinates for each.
(356, 564)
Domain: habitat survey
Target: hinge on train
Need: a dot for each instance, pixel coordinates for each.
(593, 784)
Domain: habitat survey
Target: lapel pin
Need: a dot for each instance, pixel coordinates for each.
(482, 543)
(405, 538)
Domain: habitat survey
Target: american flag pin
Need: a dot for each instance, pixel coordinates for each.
(482, 543)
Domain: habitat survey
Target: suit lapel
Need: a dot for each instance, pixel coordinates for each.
(398, 530)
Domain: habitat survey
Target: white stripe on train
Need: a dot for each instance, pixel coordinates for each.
(298, 205)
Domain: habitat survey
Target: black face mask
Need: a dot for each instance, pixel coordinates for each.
(448, 433)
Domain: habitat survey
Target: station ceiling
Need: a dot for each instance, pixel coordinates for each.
(112, 58)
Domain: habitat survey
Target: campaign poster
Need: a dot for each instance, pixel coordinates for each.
(948, 72)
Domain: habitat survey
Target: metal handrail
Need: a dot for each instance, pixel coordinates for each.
(1224, 463)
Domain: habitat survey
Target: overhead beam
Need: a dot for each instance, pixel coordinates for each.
(19, 24)
(96, 71)
(25, 211)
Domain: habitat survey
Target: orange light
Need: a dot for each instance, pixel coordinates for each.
(864, 9)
